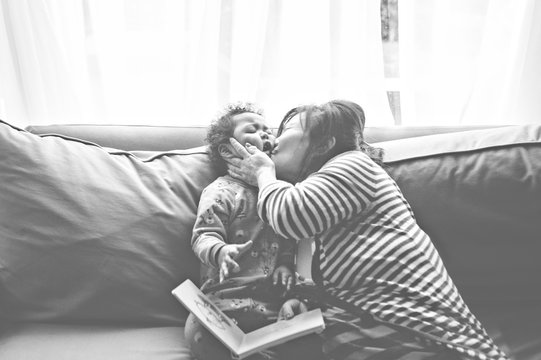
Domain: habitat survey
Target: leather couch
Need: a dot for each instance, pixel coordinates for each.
(95, 225)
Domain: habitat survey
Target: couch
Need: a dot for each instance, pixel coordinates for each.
(95, 225)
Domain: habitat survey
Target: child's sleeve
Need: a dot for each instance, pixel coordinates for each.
(214, 213)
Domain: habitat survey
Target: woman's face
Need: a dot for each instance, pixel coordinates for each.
(290, 150)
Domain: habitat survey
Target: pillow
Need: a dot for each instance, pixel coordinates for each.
(478, 195)
(94, 234)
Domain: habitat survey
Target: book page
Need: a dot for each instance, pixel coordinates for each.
(282, 331)
(225, 330)
(210, 316)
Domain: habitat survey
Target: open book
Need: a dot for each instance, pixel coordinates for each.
(244, 344)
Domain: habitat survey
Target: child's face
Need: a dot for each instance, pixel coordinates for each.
(251, 128)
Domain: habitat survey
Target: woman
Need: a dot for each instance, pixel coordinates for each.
(380, 281)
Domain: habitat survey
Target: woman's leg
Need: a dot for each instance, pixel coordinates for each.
(347, 336)
(306, 347)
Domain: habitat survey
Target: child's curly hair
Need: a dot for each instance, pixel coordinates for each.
(222, 128)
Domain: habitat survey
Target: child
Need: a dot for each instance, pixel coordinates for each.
(242, 258)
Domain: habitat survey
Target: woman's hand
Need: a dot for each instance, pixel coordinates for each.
(291, 308)
(254, 167)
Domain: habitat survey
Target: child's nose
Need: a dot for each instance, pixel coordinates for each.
(264, 135)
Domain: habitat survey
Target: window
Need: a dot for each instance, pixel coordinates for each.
(389, 35)
(170, 62)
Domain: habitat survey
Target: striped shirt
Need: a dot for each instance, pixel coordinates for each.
(372, 253)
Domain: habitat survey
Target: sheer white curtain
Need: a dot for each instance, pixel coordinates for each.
(43, 62)
(176, 62)
(470, 62)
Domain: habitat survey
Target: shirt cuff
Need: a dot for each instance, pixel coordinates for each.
(214, 252)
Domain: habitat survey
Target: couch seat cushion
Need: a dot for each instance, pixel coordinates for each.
(72, 342)
(516, 329)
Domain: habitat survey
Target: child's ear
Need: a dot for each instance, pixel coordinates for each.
(226, 151)
(326, 146)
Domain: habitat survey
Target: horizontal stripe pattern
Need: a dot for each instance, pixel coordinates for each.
(373, 254)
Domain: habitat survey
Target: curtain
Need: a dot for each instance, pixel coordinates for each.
(470, 62)
(43, 65)
(171, 62)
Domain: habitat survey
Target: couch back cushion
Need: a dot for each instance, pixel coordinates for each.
(94, 234)
(478, 195)
(91, 234)
(164, 138)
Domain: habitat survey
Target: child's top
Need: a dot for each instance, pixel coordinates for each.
(227, 214)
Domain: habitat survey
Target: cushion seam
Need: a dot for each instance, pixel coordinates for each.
(466, 151)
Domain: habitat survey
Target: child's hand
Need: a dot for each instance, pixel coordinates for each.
(284, 275)
(227, 256)
(291, 308)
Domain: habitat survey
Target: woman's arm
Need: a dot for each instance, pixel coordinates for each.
(341, 189)
(312, 206)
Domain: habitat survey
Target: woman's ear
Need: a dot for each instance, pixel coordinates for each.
(226, 151)
(326, 146)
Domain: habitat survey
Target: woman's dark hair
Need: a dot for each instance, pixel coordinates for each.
(222, 128)
(342, 119)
